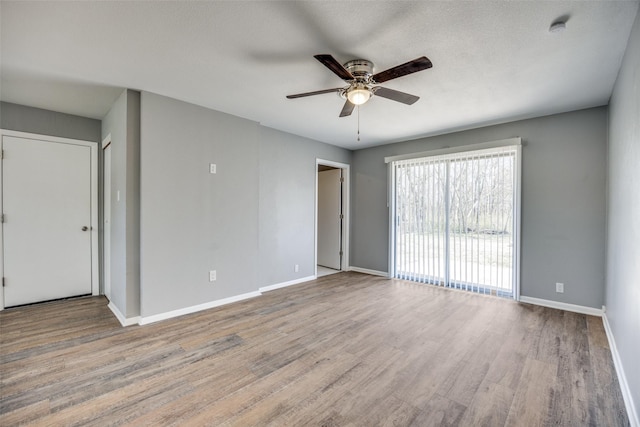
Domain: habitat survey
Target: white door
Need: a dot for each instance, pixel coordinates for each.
(329, 221)
(106, 256)
(46, 190)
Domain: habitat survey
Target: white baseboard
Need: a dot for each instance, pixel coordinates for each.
(188, 310)
(367, 271)
(562, 306)
(124, 321)
(285, 284)
(634, 420)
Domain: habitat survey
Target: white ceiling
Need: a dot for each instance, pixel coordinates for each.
(493, 61)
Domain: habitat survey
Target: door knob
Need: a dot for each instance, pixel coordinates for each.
(85, 228)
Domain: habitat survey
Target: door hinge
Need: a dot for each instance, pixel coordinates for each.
(341, 253)
(341, 179)
(1, 154)
(2, 218)
(3, 282)
(341, 216)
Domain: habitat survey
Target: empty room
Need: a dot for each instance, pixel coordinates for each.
(320, 213)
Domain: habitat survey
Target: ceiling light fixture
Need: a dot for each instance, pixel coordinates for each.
(558, 27)
(358, 94)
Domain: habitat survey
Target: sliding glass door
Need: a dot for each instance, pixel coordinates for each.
(455, 220)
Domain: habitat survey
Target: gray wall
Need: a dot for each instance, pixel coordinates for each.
(45, 122)
(251, 221)
(563, 201)
(123, 123)
(193, 221)
(132, 198)
(623, 246)
(287, 203)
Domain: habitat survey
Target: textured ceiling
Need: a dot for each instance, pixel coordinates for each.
(493, 61)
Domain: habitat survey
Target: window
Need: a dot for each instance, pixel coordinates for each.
(455, 219)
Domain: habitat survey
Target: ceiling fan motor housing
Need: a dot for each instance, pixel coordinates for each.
(361, 69)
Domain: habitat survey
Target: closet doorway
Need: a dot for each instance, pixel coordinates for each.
(331, 217)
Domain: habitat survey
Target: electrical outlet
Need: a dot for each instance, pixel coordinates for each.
(560, 288)
(212, 168)
(212, 276)
(296, 268)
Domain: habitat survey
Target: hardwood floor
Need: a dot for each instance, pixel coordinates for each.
(345, 350)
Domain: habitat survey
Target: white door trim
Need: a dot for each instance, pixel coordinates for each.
(95, 277)
(106, 237)
(106, 141)
(346, 174)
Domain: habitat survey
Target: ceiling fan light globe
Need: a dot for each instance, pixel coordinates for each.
(358, 96)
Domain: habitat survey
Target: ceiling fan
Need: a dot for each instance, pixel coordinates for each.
(362, 82)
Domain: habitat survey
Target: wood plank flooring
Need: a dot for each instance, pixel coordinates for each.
(344, 350)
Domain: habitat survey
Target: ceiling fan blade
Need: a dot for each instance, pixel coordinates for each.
(395, 95)
(414, 66)
(347, 109)
(317, 92)
(331, 63)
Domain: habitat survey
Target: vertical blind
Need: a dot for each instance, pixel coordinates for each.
(455, 220)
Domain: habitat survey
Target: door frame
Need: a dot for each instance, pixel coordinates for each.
(346, 175)
(106, 236)
(95, 277)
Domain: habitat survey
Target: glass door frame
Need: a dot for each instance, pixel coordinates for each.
(391, 200)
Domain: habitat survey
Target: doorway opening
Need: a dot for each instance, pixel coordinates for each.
(332, 225)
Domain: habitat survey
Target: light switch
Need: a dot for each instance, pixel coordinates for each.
(212, 168)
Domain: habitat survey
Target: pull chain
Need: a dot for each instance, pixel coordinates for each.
(358, 122)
